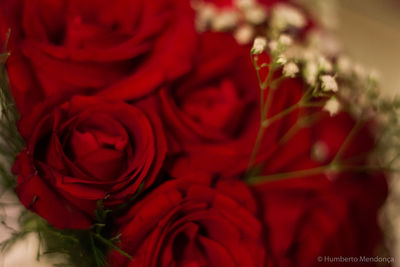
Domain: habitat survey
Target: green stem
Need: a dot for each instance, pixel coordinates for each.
(278, 116)
(285, 175)
(313, 171)
(257, 145)
(112, 245)
(348, 139)
(263, 108)
(300, 123)
(97, 257)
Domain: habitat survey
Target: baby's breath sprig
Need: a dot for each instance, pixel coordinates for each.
(334, 82)
(278, 61)
(338, 84)
(247, 18)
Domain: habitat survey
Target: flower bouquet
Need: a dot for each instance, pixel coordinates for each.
(191, 133)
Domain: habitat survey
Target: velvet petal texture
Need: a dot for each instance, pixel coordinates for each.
(184, 223)
(85, 150)
(87, 47)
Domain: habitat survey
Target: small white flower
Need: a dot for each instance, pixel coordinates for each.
(329, 83)
(244, 34)
(281, 60)
(324, 64)
(310, 72)
(320, 151)
(344, 65)
(255, 15)
(273, 45)
(205, 14)
(259, 45)
(332, 106)
(284, 16)
(244, 4)
(225, 20)
(324, 41)
(290, 69)
(285, 40)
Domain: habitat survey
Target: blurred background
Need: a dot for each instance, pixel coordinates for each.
(369, 31)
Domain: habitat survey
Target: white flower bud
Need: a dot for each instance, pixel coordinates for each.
(329, 83)
(290, 69)
(320, 151)
(285, 40)
(284, 16)
(344, 65)
(255, 15)
(281, 60)
(244, 4)
(244, 34)
(332, 106)
(273, 45)
(310, 72)
(324, 64)
(225, 20)
(259, 45)
(205, 14)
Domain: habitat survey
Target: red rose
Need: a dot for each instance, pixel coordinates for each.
(310, 217)
(322, 214)
(212, 116)
(187, 224)
(87, 46)
(82, 151)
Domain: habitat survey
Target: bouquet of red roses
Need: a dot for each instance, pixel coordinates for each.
(178, 133)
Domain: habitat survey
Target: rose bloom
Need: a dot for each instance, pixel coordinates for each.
(211, 117)
(85, 150)
(325, 213)
(86, 46)
(182, 223)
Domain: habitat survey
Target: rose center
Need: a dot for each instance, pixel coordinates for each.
(98, 148)
(218, 108)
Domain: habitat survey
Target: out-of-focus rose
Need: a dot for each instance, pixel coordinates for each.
(325, 213)
(212, 117)
(190, 224)
(85, 150)
(84, 47)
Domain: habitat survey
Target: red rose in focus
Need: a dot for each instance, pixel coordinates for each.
(186, 224)
(82, 151)
(86, 46)
(322, 214)
(212, 118)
